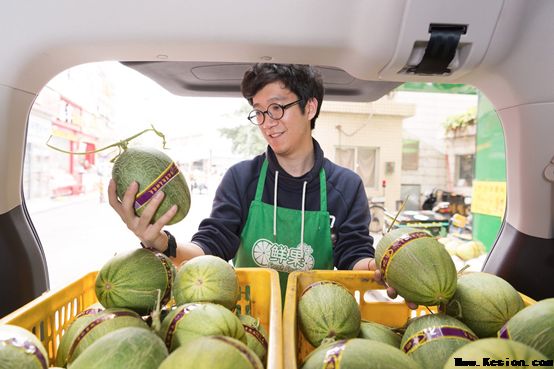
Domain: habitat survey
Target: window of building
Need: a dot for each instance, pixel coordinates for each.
(362, 160)
(410, 155)
(465, 169)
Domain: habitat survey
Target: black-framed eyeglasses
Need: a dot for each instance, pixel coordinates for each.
(275, 112)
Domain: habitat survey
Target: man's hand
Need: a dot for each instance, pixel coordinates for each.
(391, 292)
(151, 235)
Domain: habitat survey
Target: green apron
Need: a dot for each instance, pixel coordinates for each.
(272, 236)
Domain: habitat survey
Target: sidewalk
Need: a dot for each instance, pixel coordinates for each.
(40, 205)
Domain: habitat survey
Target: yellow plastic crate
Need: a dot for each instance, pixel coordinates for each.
(392, 314)
(50, 314)
(261, 297)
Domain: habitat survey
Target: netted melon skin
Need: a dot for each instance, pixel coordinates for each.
(145, 165)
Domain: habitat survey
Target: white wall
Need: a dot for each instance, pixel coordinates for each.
(427, 126)
(376, 125)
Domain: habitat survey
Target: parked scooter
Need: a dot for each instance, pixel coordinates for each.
(446, 203)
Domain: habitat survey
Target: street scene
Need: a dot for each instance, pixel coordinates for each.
(414, 149)
(80, 233)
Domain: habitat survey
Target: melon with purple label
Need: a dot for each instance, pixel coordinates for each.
(124, 348)
(328, 311)
(417, 266)
(256, 336)
(214, 352)
(188, 322)
(154, 171)
(88, 328)
(431, 339)
(484, 302)
(136, 280)
(21, 349)
(533, 326)
(91, 310)
(358, 353)
(497, 352)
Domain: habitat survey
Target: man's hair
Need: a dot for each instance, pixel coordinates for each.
(303, 80)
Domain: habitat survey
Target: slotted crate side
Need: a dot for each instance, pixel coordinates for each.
(360, 283)
(393, 314)
(261, 297)
(49, 315)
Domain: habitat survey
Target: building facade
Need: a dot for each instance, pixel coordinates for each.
(367, 138)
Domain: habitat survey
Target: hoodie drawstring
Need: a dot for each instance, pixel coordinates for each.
(303, 208)
(275, 209)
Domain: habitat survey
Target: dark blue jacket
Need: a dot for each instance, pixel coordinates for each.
(346, 200)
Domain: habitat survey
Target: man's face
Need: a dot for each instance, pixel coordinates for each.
(291, 134)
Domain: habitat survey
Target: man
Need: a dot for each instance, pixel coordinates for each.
(288, 208)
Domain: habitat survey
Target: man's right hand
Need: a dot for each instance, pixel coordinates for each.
(150, 235)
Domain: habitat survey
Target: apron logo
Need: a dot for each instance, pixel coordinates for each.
(282, 257)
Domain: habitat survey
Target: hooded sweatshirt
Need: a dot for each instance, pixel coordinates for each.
(219, 234)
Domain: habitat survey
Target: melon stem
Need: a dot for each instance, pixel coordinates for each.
(156, 314)
(462, 270)
(121, 145)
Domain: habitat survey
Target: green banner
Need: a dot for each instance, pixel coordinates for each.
(490, 175)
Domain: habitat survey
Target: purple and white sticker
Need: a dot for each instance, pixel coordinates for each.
(434, 333)
(160, 182)
(397, 245)
(333, 355)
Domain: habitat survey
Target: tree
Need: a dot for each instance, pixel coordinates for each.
(245, 138)
(459, 122)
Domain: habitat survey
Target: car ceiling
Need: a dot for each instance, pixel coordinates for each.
(362, 46)
(223, 79)
(371, 40)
